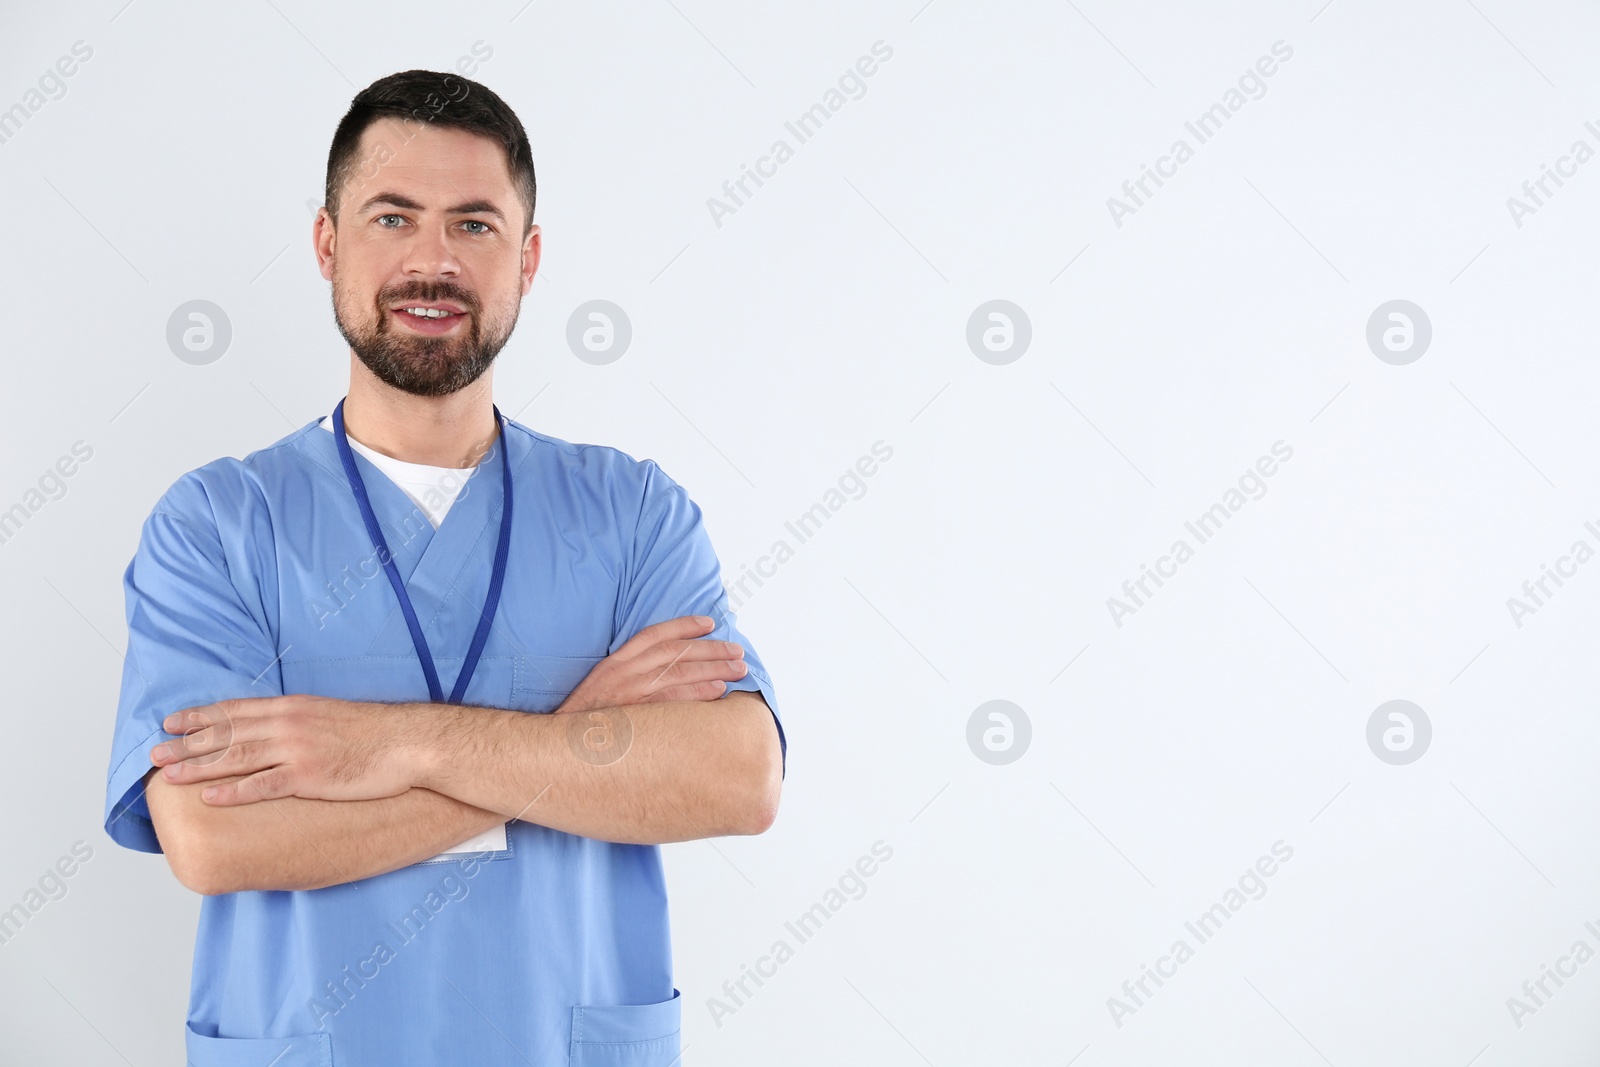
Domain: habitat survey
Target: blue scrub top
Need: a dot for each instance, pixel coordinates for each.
(257, 578)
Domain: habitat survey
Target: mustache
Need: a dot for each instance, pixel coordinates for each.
(427, 294)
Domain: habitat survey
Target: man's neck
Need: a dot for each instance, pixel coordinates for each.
(440, 431)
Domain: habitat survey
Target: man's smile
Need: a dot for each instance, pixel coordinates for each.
(432, 321)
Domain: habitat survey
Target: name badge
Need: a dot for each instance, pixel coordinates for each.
(491, 840)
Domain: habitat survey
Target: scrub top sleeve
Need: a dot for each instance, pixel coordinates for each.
(191, 641)
(673, 571)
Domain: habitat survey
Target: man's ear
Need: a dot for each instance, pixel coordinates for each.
(322, 242)
(532, 249)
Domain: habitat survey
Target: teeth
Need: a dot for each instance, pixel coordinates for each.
(426, 313)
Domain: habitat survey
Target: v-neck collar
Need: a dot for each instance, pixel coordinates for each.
(432, 562)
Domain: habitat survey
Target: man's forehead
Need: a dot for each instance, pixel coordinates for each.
(431, 165)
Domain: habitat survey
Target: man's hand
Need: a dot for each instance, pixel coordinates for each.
(306, 746)
(663, 662)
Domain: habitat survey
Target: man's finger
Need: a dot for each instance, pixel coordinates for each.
(188, 719)
(265, 785)
(673, 629)
(244, 758)
(186, 772)
(707, 690)
(198, 743)
(687, 672)
(698, 649)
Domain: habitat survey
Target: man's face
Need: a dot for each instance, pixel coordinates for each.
(429, 219)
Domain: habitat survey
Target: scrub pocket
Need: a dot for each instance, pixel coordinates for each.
(301, 1050)
(626, 1035)
(541, 683)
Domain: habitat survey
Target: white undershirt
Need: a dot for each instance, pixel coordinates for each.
(433, 489)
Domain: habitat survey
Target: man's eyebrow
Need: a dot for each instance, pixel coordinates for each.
(471, 207)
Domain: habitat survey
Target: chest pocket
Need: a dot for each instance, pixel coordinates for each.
(522, 681)
(541, 683)
(398, 679)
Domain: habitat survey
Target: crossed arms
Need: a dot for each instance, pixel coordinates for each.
(313, 792)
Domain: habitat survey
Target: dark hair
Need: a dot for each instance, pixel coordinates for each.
(442, 100)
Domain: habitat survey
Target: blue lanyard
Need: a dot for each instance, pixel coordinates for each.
(497, 576)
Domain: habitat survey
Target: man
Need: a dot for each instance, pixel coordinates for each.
(393, 876)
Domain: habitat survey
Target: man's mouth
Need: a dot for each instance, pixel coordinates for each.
(434, 319)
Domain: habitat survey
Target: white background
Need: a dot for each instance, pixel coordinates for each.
(829, 312)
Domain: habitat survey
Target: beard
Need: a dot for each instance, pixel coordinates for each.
(416, 363)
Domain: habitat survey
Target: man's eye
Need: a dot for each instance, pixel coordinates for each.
(476, 222)
(382, 217)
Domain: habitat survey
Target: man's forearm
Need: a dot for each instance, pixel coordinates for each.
(639, 774)
(295, 843)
